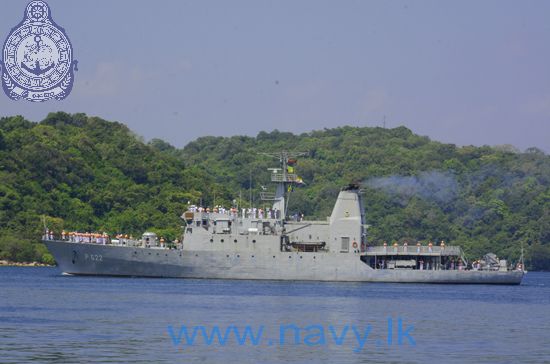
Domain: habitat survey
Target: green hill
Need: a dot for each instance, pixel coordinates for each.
(85, 173)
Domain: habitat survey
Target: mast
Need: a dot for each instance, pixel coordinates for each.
(521, 258)
(283, 177)
(44, 222)
(250, 188)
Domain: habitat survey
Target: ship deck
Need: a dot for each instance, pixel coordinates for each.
(435, 251)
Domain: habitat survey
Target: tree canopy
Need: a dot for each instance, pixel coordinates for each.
(84, 173)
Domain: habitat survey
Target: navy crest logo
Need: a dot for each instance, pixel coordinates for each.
(37, 58)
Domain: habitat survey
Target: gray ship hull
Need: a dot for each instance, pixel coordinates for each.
(112, 260)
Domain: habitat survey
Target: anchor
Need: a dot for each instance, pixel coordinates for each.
(37, 70)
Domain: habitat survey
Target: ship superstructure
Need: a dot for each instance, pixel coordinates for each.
(256, 243)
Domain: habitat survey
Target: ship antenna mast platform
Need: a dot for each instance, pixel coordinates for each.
(283, 177)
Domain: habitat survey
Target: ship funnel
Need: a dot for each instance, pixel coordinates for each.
(346, 221)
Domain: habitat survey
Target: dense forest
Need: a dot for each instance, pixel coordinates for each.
(83, 173)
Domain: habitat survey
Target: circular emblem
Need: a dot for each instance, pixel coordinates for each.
(38, 59)
(37, 11)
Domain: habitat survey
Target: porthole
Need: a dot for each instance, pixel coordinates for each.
(238, 256)
(221, 240)
(235, 240)
(227, 255)
(290, 257)
(253, 241)
(300, 257)
(211, 240)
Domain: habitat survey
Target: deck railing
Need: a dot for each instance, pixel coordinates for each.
(280, 177)
(413, 250)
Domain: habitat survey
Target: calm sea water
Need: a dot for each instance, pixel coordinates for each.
(47, 317)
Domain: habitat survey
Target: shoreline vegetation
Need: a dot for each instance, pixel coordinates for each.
(8, 263)
(73, 172)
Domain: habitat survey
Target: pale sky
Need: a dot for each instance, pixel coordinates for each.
(464, 72)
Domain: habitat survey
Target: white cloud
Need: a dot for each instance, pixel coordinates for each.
(106, 80)
(112, 78)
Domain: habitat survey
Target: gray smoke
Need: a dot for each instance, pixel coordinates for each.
(435, 186)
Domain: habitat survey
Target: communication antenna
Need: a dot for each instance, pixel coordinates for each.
(521, 258)
(250, 187)
(283, 178)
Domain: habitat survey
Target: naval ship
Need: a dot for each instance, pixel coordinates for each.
(267, 245)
